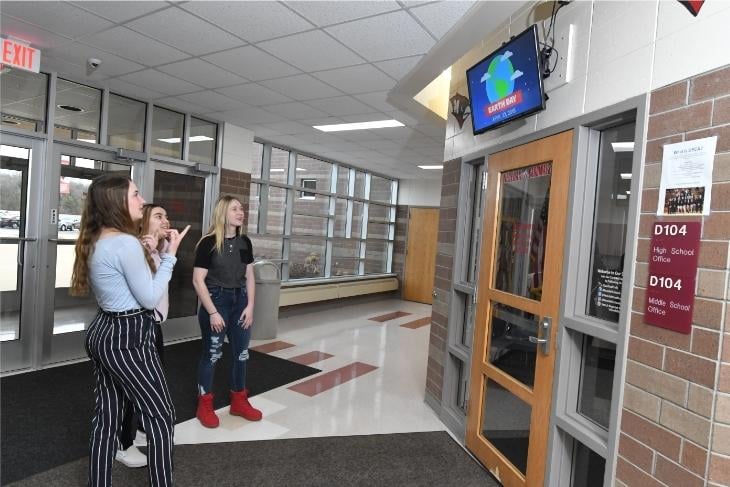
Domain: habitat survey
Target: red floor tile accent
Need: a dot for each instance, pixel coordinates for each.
(310, 357)
(417, 323)
(389, 316)
(272, 347)
(331, 379)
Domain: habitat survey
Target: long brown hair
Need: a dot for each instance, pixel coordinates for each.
(219, 220)
(105, 205)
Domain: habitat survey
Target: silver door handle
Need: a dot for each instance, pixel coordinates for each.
(543, 338)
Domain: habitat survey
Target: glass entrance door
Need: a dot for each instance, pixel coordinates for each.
(518, 309)
(73, 170)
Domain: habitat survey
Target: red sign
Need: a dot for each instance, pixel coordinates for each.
(503, 104)
(20, 55)
(672, 269)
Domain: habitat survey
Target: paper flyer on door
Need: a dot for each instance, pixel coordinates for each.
(686, 184)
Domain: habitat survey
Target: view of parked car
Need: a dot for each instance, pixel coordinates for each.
(68, 222)
(9, 221)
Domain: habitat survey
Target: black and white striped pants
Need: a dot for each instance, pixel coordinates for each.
(127, 369)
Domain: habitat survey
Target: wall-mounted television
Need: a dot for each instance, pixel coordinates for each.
(507, 84)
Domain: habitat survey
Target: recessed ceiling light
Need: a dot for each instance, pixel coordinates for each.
(194, 138)
(622, 146)
(432, 167)
(625, 175)
(377, 124)
(71, 108)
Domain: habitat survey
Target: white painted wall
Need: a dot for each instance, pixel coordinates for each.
(237, 148)
(419, 192)
(622, 49)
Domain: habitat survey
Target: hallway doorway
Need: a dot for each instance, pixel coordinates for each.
(518, 303)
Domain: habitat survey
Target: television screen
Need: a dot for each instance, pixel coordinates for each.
(507, 84)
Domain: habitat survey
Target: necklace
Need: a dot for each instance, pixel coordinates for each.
(230, 241)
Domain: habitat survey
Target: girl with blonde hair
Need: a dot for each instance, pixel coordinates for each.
(224, 282)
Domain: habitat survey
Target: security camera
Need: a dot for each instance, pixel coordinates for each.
(93, 62)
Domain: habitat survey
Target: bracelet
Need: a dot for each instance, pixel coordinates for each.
(213, 313)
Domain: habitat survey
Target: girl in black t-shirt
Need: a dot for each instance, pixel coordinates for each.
(224, 282)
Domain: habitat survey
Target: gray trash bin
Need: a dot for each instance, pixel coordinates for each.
(266, 302)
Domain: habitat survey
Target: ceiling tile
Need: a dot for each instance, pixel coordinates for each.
(439, 17)
(131, 90)
(35, 36)
(251, 63)
(321, 121)
(432, 130)
(301, 87)
(364, 117)
(305, 51)
(342, 105)
(164, 83)
(134, 46)
(397, 68)
(376, 100)
(181, 105)
(332, 12)
(289, 128)
(214, 101)
(248, 116)
(294, 110)
(254, 94)
(121, 11)
(202, 73)
(357, 79)
(384, 37)
(60, 18)
(78, 53)
(185, 31)
(251, 20)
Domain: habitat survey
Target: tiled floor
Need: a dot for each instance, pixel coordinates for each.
(372, 381)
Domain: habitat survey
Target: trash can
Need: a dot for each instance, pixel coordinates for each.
(266, 302)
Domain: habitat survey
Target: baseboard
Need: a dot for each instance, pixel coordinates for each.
(294, 295)
(316, 306)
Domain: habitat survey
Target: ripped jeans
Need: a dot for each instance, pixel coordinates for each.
(230, 303)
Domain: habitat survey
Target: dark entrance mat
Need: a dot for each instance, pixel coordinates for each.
(46, 414)
(407, 459)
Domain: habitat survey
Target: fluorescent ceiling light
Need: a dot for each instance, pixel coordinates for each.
(432, 167)
(625, 175)
(276, 170)
(194, 138)
(377, 124)
(301, 169)
(622, 146)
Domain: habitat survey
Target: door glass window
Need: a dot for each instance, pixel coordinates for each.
(167, 132)
(126, 123)
(23, 99)
(588, 466)
(523, 225)
(77, 112)
(510, 348)
(506, 424)
(610, 222)
(14, 163)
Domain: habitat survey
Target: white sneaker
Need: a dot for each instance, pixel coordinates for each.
(140, 439)
(131, 457)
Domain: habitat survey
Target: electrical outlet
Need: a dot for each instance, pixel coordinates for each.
(564, 69)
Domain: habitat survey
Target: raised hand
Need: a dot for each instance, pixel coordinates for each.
(176, 239)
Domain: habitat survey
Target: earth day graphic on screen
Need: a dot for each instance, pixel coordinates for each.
(507, 84)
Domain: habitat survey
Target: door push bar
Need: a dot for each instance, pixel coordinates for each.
(543, 337)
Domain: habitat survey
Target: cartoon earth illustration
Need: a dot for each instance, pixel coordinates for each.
(499, 80)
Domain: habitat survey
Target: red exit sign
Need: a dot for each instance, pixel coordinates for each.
(20, 55)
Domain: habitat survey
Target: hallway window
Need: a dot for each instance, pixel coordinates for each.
(126, 123)
(596, 380)
(167, 132)
(202, 141)
(23, 99)
(77, 112)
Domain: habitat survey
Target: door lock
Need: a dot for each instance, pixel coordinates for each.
(543, 337)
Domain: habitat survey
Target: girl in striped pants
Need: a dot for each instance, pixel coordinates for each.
(111, 261)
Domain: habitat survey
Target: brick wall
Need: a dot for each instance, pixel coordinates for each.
(675, 426)
(442, 282)
(238, 184)
(399, 243)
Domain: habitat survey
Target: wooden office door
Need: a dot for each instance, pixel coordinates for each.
(518, 308)
(420, 265)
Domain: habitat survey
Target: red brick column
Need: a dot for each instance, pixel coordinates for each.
(675, 426)
(238, 184)
(399, 243)
(442, 282)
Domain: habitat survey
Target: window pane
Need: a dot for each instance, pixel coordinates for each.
(379, 213)
(380, 189)
(523, 224)
(279, 165)
(257, 158)
(306, 258)
(253, 208)
(77, 112)
(467, 330)
(340, 218)
(126, 122)
(359, 184)
(202, 141)
(23, 99)
(314, 169)
(345, 257)
(343, 178)
(462, 386)
(588, 466)
(277, 207)
(510, 348)
(376, 257)
(506, 423)
(609, 227)
(265, 247)
(596, 380)
(378, 230)
(311, 205)
(357, 208)
(309, 225)
(167, 132)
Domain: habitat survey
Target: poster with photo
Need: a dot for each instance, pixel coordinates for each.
(686, 184)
